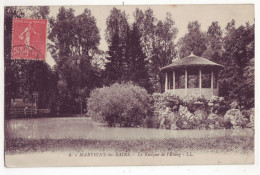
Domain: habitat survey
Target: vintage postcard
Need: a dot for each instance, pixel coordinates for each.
(129, 85)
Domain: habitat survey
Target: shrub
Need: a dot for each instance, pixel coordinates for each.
(161, 101)
(215, 121)
(119, 105)
(151, 122)
(201, 114)
(190, 112)
(167, 119)
(193, 103)
(235, 119)
(188, 120)
(218, 105)
(250, 115)
(165, 108)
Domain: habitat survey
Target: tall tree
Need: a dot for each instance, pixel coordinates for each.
(163, 52)
(137, 59)
(214, 43)
(62, 34)
(238, 57)
(86, 39)
(117, 31)
(146, 24)
(157, 41)
(112, 71)
(116, 22)
(194, 41)
(74, 46)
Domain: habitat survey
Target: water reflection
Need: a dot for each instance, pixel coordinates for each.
(59, 128)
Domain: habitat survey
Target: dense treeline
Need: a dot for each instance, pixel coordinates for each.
(136, 52)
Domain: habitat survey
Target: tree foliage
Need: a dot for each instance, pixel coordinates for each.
(214, 43)
(157, 41)
(117, 34)
(238, 59)
(73, 35)
(137, 60)
(163, 51)
(74, 46)
(146, 24)
(126, 60)
(193, 42)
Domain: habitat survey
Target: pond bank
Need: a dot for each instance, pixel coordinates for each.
(85, 128)
(234, 144)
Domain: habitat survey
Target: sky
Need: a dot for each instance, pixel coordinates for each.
(182, 15)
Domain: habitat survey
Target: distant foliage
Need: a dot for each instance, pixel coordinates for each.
(119, 105)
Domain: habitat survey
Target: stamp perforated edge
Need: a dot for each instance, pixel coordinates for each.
(46, 37)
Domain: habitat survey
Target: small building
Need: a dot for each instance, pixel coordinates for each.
(192, 75)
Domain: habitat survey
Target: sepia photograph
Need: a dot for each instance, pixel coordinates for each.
(129, 85)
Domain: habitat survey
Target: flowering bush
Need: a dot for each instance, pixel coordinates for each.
(234, 105)
(235, 119)
(186, 118)
(215, 121)
(161, 101)
(218, 105)
(174, 112)
(167, 118)
(193, 103)
(250, 115)
(119, 105)
(165, 107)
(192, 112)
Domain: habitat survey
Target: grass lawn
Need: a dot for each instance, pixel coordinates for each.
(234, 144)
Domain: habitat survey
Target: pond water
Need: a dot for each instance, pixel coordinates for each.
(85, 128)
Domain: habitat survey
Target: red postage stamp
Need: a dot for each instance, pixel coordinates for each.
(29, 39)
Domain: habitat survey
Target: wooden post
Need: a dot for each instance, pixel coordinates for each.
(212, 88)
(173, 77)
(186, 81)
(166, 82)
(200, 82)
